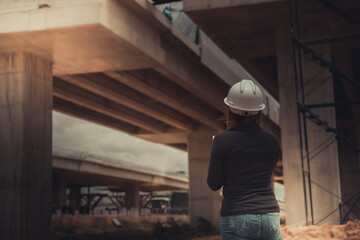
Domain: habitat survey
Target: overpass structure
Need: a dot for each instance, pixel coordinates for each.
(121, 64)
(92, 172)
(74, 173)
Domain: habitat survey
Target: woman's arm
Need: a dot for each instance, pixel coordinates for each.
(215, 178)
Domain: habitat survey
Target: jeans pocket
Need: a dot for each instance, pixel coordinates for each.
(239, 223)
(274, 222)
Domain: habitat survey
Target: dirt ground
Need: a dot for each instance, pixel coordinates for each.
(137, 235)
(348, 231)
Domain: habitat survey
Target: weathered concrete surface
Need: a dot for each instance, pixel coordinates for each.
(324, 168)
(294, 198)
(203, 201)
(80, 42)
(25, 146)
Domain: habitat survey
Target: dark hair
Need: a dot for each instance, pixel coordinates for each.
(234, 120)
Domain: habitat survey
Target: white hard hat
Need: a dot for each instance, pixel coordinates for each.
(245, 98)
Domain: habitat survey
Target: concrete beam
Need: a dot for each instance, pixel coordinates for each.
(113, 37)
(177, 68)
(114, 173)
(190, 5)
(105, 87)
(78, 41)
(149, 87)
(78, 111)
(165, 138)
(96, 103)
(179, 146)
(175, 140)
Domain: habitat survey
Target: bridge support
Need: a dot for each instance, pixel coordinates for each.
(324, 168)
(203, 202)
(132, 198)
(75, 197)
(25, 146)
(59, 191)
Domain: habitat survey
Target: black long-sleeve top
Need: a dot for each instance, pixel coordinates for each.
(242, 162)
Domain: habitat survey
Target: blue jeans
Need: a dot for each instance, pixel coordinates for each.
(251, 226)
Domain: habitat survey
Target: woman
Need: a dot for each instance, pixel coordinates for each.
(242, 162)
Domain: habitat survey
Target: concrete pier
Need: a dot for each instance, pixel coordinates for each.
(203, 202)
(324, 169)
(132, 198)
(59, 191)
(25, 146)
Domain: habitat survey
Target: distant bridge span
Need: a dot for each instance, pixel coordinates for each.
(99, 173)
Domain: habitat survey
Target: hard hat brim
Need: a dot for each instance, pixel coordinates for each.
(261, 107)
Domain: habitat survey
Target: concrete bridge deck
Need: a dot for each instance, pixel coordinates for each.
(92, 172)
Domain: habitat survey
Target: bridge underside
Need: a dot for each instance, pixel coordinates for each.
(120, 64)
(130, 76)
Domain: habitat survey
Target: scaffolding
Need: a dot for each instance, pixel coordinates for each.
(300, 49)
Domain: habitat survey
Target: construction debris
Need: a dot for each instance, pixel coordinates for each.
(348, 231)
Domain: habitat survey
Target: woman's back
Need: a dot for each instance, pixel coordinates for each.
(247, 156)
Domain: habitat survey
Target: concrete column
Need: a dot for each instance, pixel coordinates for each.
(324, 167)
(203, 201)
(132, 198)
(59, 191)
(75, 197)
(25, 146)
(349, 162)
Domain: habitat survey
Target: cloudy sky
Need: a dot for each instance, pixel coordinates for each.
(79, 137)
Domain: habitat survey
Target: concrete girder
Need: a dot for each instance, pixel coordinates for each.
(111, 32)
(96, 103)
(121, 95)
(78, 111)
(165, 138)
(171, 64)
(114, 37)
(210, 4)
(180, 146)
(203, 115)
(98, 42)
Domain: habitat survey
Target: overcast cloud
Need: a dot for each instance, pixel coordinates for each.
(84, 137)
